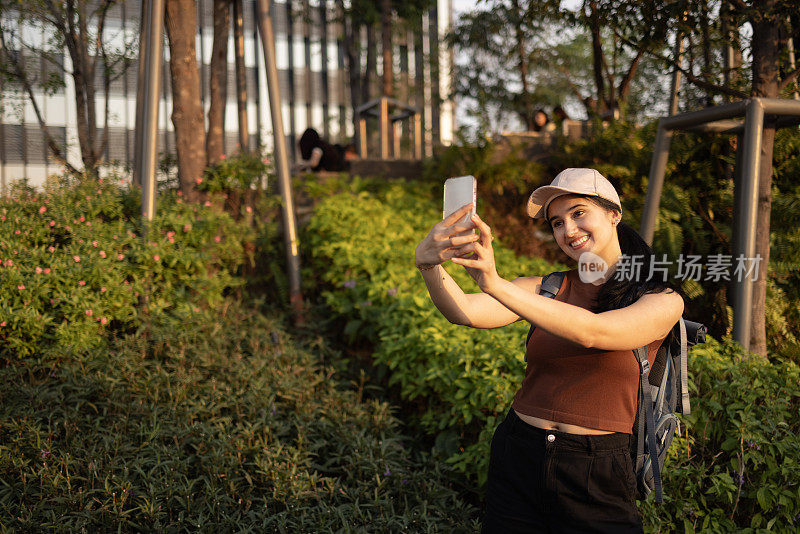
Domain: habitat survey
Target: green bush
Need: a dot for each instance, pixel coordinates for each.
(460, 379)
(736, 465)
(745, 411)
(217, 426)
(75, 265)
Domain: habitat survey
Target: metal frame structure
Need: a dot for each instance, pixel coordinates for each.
(726, 119)
(381, 108)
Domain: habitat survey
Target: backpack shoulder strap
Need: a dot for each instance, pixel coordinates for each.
(551, 283)
(685, 407)
(647, 431)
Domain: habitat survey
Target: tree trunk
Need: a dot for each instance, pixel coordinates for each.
(218, 83)
(241, 80)
(388, 56)
(766, 56)
(352, 52)
(597, 60)
(187, 109)
(523, 66)
(370, 71)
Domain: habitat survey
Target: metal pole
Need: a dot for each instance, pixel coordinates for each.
(362, 136)
(241, 81)
(745, 243)
(655, 183)
(384, 118)
(150, 90)
(141, 82)
(738, 205)
(281, 158)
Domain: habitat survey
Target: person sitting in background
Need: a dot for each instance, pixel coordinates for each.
(319, 155)
(541, 122)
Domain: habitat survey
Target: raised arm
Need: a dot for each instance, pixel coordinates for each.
(651, 317)
(445, 241)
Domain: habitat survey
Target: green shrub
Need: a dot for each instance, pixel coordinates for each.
(75, 265)
(737, 463)
(459, 378)
(217, 426)
(745, 411)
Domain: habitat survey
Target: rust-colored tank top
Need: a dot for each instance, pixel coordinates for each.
(567, 383)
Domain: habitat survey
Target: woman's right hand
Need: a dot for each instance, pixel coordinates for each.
(447, 240)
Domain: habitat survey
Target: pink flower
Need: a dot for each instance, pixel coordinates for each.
(52, 223)
(114, 237)
(82, 218)
(248, 209)
(222, 156)
(206, 204)
(2, 217)
(156, 258)
(51, 249)
(52, 302)
(180, 193)
(77, 259)
(16, 232)
(9, 263)
(102, 290)
(89, 312)
(120, 257)
(81, 283)
(88, 223)
(187, 227)
(103, 320)
(42, 209)
(102, 253)
(3, 323)
(217, 238)
(94, 243)
(47, 270)
(171, 239)
(38, 270)
(198, 181)
(21, 287)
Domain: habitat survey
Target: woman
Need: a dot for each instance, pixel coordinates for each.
(560, 460)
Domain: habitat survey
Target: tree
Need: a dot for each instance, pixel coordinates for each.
(218, 82)
(769, 76)
(79, 26)
(358, 14)
(187, 108)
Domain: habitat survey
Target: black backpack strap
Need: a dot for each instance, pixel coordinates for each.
(549, 288)
(646, 404)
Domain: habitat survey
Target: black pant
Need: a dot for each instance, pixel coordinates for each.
(550, 481)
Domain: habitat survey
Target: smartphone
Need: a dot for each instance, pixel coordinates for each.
(458, 192)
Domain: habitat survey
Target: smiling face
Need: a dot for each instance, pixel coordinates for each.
(580, 225)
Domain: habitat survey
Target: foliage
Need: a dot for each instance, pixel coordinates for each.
(75, 265)
(217, 426)
(737, 463)
(696, 214)
(459, 379)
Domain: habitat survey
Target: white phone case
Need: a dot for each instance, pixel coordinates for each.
(458, 192)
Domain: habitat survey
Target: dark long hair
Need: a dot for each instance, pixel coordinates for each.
(619, 293)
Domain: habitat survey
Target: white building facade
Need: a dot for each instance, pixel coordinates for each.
(312, 75)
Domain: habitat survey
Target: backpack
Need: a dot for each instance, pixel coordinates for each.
(663, 392)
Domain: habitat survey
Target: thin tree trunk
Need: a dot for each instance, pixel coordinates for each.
(187, 109)
(597, 59)
(352, 47)
(218, 83)
(370, 71)
(388, 56)
(766, 56)
(241, 80)
(523, 66)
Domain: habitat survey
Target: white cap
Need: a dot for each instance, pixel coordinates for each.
(572, 181)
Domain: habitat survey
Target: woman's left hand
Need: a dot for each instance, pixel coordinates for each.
(480, 265)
